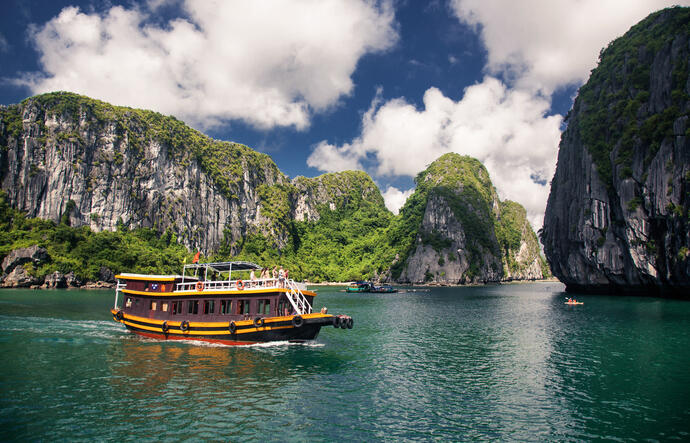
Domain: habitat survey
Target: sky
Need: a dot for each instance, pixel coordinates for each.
(321, 86)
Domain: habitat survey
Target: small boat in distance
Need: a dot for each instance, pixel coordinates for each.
(367, 286)
(572, 301)
(359, 286)
(205, 303)
(386, 289)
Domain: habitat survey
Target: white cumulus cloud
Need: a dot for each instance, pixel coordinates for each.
(394, 198)
(534, 47)
(542, 45)
(507, 130)
(269, 63)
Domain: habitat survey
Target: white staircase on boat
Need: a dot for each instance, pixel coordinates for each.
(297, 298)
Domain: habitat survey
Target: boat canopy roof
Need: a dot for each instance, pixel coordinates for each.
(152, 277)
(226, 266)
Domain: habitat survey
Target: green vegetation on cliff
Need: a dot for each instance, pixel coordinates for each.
(223, 161)
(464, 184)
(345, 243)
(615, 106)
(84, 252)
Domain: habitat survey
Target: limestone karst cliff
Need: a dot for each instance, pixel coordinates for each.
(142, 169)
(617, 215)
(454, 229)
(83, 163)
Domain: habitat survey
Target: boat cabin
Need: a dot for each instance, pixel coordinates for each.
(211, 292)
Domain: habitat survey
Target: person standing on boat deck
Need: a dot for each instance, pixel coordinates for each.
(275, 273)
(281, 277)
(252, 278)
(286, 274)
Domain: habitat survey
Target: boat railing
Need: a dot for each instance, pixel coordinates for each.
(225, 285)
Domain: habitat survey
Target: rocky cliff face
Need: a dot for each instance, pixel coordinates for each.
(82, 162)
(462, 232)
(617, 215)
(100, 165)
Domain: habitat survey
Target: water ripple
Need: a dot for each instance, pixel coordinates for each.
(495, 363)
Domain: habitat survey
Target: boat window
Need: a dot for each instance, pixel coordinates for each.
(193, 307)
(265, 307)
(164, 307)
(154, 305)
(177, 307)
(283, 307)
(209, 306)
(225, 307)
(242, 307)
(146, 286)
(129, 302)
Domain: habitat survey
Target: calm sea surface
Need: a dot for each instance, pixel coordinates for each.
(509, 362)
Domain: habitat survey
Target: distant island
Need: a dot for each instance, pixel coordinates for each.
(98, 189)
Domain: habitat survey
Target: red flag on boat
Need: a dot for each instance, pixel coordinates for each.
(196, 257)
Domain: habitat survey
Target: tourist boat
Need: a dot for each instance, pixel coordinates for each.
(386, 289)
(359, 286)
(208, 303)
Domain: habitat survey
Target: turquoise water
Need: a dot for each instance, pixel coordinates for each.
(508, 362)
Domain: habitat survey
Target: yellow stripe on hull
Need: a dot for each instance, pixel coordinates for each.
(155, 325)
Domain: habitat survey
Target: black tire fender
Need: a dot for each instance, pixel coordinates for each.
(165, 327)
(343, 322)
(297, 321)
(258, 322)
(336, 321)
(232, 327)
(184, 326)
(350, 323)
(119, 316)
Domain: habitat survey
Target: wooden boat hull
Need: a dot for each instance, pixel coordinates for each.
(244, 332)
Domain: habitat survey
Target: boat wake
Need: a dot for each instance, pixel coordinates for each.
(205, 344)
(59, 328)
(281, 344)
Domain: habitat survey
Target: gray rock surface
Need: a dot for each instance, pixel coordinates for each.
(101, 168)
(628, 230)
(19, 278)
(456, 241)
(34, 254)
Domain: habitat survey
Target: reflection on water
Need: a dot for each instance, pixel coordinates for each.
(505, 362)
